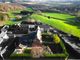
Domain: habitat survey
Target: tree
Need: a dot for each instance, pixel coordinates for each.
(77, 14)
(56, 38)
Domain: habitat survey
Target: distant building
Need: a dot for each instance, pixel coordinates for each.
(7, 1)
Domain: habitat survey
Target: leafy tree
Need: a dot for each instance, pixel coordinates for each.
(78, 14)
(4, 16)
(56, 38)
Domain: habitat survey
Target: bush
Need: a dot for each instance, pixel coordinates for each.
(56, 39)
(4, 16)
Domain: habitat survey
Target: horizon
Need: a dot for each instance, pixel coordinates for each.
(39, 0)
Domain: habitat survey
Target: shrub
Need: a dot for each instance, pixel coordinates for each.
(56, 39)
(4, 16)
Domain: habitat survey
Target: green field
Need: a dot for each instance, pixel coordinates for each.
(59, 15)
(12, 15)
(63, 22)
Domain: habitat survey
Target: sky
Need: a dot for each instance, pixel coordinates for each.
(46, 0)
(55, 0)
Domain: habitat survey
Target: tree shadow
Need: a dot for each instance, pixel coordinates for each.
(70, 21)
(73, 21)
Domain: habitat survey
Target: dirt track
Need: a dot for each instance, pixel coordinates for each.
(2, 23)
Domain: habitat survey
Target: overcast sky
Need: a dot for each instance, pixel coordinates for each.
(44, 0)
(55, 0)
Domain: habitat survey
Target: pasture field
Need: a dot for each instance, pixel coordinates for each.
(61, 22)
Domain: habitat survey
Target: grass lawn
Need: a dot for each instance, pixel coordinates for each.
(11, 15)
(66, 18)
(59, 15)
(9, 22)
(25, 54)
(29, 9)
(64, 26)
